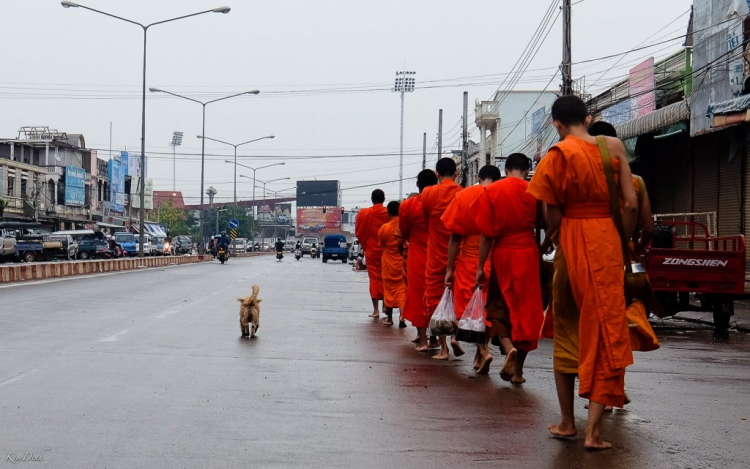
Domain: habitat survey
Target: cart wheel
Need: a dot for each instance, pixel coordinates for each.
(29, 257)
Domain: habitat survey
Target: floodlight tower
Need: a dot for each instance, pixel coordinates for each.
(176, 142)
(404, 84)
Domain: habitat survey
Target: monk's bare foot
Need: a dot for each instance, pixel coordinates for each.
(423, 348)
(457, 350)
(441, 356)
(596, 444)
(509, 368)
(477, 358)
(484, 364)
(608, 408)
(562, 431)
(388, 322)
(374, 315)
(517, 379)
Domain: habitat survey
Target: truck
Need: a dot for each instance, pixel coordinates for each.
(28, 242)
(91, 244)
(334, 247)
(711, 267)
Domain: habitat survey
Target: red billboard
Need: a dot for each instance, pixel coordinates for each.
(312, 220)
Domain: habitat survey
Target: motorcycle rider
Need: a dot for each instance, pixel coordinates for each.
(223, 241)
(279, 249)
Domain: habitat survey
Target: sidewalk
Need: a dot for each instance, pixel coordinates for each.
(740, 320)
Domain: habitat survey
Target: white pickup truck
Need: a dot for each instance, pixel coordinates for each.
(7, 245)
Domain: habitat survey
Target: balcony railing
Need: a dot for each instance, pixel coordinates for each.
(487, 111)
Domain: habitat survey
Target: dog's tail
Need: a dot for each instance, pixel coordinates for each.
(252, 298)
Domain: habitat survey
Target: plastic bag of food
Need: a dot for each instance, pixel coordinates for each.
(443, 321)
(471, 327)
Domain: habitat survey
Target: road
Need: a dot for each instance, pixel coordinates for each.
(147, 369)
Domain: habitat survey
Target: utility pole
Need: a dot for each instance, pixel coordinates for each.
(402, 85)
(176, 142)
(465, 149)
(567, 66)
(440, 134)
(424, 150)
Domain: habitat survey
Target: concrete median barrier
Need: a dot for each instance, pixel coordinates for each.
(10, 273)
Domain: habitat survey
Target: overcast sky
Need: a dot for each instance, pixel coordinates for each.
(77, 71)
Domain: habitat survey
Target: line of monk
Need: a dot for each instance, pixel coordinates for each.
(488, 236)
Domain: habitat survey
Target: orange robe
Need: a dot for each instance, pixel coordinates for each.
(394, 288)
(435, 199)
(369, 221)
(459, 219)
(571, 177)
(413, 230)
(507, 213)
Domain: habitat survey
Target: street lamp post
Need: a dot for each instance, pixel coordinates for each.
(235, 156)
(254, 170)
(203, 141)
(69, 4)
(268, 182)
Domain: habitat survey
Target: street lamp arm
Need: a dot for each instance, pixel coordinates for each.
(274, 180)
(180, 17)
(157, 90)
(269, 165)
(78, 5)
(233, 96)
(254, 140)
(240, 164)
(218, 141)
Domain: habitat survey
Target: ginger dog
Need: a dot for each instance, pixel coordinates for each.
(250, 313)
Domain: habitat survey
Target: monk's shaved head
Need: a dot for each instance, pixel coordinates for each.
(393, 208)
(426, 178)
(517, 162)
(602, 128)
(378, 196)
(446, 167)
(489, 172)
(569, 111)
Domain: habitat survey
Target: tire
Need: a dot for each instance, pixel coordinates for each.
(325, 259)
(83, 255)
(29, 257)
(343, 260)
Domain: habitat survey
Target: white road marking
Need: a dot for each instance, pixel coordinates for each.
(13, 379)
(165, 314)
(113, 338)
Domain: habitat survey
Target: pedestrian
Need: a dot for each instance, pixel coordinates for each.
(570, 180)
(394, 288)
(435, 200)
(413, 230)
(463, 252)
(369, 221)
(506, 215)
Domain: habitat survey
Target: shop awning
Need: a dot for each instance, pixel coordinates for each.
(730, 106)
(653, 121)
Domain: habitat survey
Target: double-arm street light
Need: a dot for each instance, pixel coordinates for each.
(203, 141)
(235, 156)
(264, 183)
(254, 170)
(68, 4)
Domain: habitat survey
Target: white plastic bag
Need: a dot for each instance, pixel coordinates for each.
(443, 321)
(471, 327)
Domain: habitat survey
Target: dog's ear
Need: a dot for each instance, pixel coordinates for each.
(258, 300)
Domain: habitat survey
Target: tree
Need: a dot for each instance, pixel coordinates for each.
(248, 225)
(174, 217)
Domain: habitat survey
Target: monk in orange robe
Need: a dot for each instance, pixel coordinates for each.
(369, 221)
(463, 253)
(570, 180)
(394, 288)
(435, 201)
(413, 230)
(506, 214)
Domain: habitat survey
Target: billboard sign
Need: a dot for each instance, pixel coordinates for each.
(617, 114)
(124, 158)
(116, 186)
(643, 88)
(135, 193)
(75, 186)
(318, 193)
(133, 165)
(537, 118)
(313, 221)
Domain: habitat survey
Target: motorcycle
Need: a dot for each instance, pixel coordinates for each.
(279, 256)
(314, 252)
(222, 255)
(298, 253)
(167, 249)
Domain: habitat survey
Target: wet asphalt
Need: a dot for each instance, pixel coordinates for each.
(148, 369)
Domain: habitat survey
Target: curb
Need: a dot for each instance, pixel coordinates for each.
(44, 270)
(741, 325)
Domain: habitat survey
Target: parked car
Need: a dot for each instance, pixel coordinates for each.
(334, 247)
(355, 249)
(7, 245)
(128, 243)
(239, 245)
(91, 244)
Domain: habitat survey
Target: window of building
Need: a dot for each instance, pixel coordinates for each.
(24, 187)
(11, 185)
